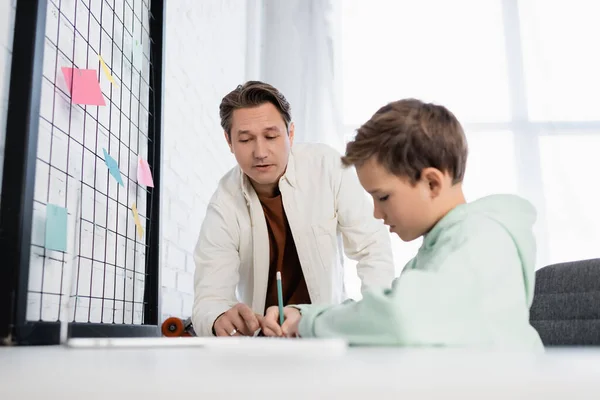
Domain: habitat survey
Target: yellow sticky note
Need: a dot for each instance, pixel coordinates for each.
(136, 219)
(107, 71)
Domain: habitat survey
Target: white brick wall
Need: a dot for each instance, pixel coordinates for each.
(205, 58)
(7, 19)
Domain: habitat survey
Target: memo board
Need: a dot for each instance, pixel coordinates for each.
(87, 238)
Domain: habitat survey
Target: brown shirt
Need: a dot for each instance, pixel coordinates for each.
(283, 257)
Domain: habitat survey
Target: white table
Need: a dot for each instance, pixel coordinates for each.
(374, 373)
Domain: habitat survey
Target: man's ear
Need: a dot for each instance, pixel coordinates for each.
(434, 178)
(291, 133)
(228, 139)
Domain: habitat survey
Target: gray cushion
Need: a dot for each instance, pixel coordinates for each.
(576, 332)
(566, 304)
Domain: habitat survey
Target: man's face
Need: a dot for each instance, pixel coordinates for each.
(261, 145)
(406, 208)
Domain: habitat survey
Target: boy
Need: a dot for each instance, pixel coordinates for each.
(472, 280)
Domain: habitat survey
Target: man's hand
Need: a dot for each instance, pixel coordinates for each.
(238, 320)
(270, 323)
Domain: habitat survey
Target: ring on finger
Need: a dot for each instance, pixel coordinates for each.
(233, 332)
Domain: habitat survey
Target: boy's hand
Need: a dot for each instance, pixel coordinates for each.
(270, 323)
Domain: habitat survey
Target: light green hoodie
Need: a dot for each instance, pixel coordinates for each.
(470, 284)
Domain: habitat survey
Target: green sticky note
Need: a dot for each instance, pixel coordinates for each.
(138, 55)
(56, 228)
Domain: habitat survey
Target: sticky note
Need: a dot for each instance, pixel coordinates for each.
(113, 167)
(56, 228)
(84, 86)
(107, 71)
(133, 50)
(136, 219)
(144, 173)
(138, 55)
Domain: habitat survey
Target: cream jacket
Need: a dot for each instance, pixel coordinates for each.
(327, 211)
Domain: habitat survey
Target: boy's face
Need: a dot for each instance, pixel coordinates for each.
(409, 210)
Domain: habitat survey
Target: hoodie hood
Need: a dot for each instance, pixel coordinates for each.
(514, 213)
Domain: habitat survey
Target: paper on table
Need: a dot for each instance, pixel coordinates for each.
(84, 87)
(107, 71)
(113, 167)
(144, 173)
(56, 228)
(236, 345)
(136, 219)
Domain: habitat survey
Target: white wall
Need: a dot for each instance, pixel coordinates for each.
(206, 50)
(7, 20)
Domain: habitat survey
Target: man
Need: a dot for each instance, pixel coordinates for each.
(280, 210)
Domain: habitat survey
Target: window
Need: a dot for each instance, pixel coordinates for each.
(561, 61)
(522, 77)
(411, 48)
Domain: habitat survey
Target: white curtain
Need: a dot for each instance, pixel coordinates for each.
(521, 75)
(296, 54)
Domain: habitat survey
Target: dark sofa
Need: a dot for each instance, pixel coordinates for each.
(566, 304)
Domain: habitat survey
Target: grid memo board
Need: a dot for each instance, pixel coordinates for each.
(98, 274)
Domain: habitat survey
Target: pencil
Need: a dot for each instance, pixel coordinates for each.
(280, 297)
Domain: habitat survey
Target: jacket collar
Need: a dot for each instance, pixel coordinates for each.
(290, 172)
(289, 175)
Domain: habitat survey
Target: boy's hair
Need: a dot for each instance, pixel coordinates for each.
(409, 135)
(252, 94)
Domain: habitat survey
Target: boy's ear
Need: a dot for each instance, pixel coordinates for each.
(434, 178)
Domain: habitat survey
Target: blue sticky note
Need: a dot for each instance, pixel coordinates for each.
(56, 228)
(113, 167)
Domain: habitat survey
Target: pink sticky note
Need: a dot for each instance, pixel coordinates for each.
(84, 86)
(144, 174)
